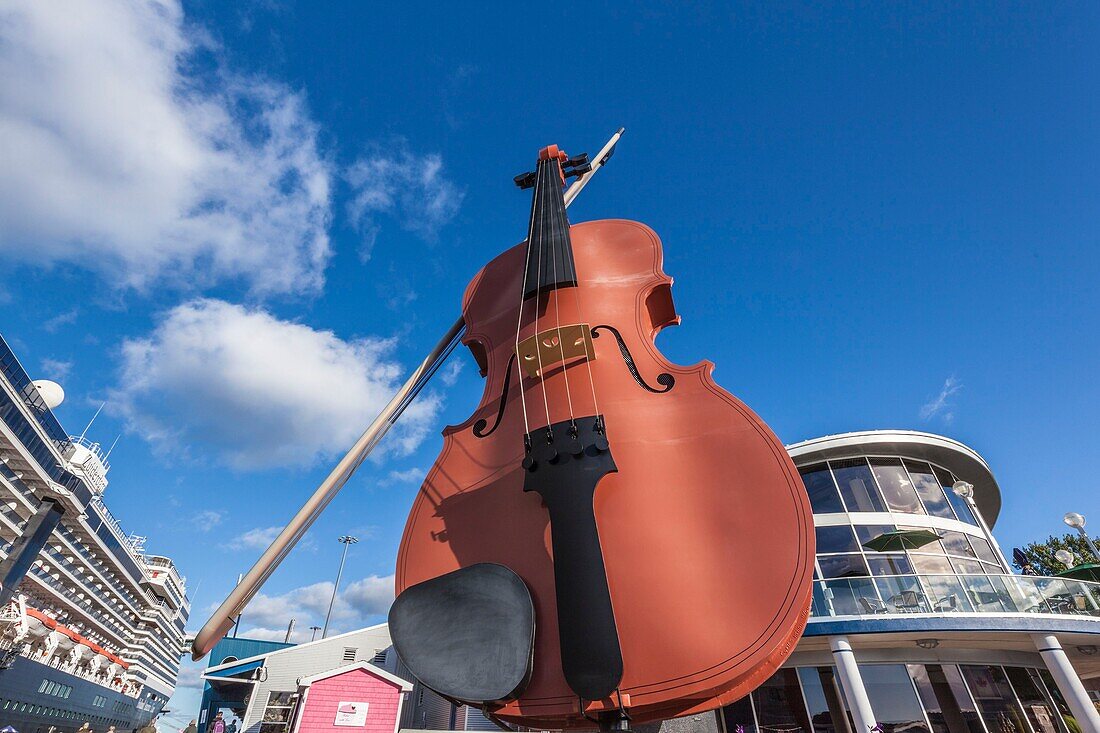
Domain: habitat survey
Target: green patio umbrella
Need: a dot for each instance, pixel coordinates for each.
(901, 539)
(1084, 571)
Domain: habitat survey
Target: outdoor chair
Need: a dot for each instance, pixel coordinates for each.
(947, 603)
(872, 605)
(908, 601)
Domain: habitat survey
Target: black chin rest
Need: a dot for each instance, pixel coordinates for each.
(468, 635)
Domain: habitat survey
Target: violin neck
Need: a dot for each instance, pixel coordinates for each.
(549, 250)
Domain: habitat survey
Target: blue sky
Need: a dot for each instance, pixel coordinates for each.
(240, 224)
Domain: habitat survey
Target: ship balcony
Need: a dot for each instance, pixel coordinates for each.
(83, 608)
(101, 569)
(879, 597)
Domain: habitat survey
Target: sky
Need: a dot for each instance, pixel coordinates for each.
(239, 225)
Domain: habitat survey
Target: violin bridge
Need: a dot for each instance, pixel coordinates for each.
(555, 345)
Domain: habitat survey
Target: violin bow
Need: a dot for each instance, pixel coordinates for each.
(222, 620)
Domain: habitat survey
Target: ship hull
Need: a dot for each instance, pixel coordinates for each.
(29, 710)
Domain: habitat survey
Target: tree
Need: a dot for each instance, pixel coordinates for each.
(1042, 553)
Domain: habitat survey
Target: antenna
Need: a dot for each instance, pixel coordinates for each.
(117, 438)
(101, 406)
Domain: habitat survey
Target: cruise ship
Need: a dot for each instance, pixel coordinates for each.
(94, 630)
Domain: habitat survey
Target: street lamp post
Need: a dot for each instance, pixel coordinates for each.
(1077, 521)
(346, 540)
(965, 491)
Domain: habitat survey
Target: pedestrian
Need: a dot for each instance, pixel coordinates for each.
(86, 728)
(217, 725)
(232, 727)
(192, 727)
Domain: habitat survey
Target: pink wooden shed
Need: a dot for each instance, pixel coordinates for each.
(358, 698)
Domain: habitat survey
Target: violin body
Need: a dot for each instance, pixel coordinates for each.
(704, 525)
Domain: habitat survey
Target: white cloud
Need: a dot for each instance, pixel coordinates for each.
(450, 374)
(414, 475)
(404, 185)
(50, 325)
(207, 519)
(257, 391)
(259, 538)
(358, 604)
(122, 159)
(190, 677)
(56, 369)
(941, 404)
(255, 539)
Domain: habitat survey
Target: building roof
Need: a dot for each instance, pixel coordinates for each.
(367, 667)
(293, 648)
(960, 459)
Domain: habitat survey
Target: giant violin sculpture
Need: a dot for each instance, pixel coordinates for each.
(610, 537)
(656, 524)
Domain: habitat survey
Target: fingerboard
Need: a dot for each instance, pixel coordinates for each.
(549, 250)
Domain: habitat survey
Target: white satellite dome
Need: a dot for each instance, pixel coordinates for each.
(50, 392)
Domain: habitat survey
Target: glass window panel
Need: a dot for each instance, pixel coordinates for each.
(984, 552)
(824, 497)
(867, 532)
(967, 567)
(738, 716)
(828, 713)
(956, 543)
(851, 597)
(1054, 696)
(995, 698)
(778, 703)
(945, 593)
(903, 594)
(933, 547)
(1036, 707)
(885, 564)
(987, 596)
(962, 509)
(893, 698)
(857, 485)
(896, 487)
(930, 564)
(819, 605)
(992, 569)
(929, 489)
(840, 538)
(842, 566)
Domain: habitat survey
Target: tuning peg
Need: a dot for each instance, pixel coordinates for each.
(577, 160)
(525, 180)
(578, 171)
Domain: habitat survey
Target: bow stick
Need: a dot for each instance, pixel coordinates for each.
(224, 617)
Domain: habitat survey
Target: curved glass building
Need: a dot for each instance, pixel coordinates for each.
(917, 622)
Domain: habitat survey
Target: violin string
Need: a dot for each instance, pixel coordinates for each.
(519, 317)
(557, 316)
(587, 359)
(538, 291)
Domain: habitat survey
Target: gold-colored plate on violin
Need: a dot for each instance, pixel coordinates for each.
(555, 345)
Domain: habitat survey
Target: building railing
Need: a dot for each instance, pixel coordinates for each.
(84, 606)
(21, 382)
(908, 594)
(115, 525)
(94, 448)
(78, 547)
